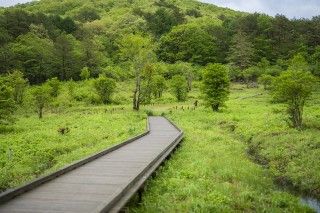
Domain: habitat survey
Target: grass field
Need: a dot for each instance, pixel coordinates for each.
(36, 147)
(238, 159)
(216, 169)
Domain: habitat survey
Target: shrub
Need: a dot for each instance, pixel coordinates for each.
(294, 88)
(105, 87)
(266, 81)
(54, 86)
(149, 113)
(158, 86)
(85, 73)
(215, 85)
(179, 87)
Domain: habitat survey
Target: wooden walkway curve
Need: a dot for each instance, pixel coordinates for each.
(101, 183)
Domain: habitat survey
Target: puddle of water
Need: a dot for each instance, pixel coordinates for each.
(312, 203)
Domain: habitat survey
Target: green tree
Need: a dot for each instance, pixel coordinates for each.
(68, 57)
(216, 85)
(147, 75)
(7, 105)
(179, 87)
(137, 52)
(54, 85)
(85, 73)
(298, 63)
(34, 56)
(158, 86)
(18, 84)
(87, 13)
(188, 43)
(41, 96)
(241, 51)
(294, 88)
(105, 88)
(163, 20)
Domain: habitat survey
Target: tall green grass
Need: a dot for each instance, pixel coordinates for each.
(36, 147)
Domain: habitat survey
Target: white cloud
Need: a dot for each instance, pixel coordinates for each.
(290, 8)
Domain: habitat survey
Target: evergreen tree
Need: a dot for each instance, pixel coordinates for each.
(241, 51)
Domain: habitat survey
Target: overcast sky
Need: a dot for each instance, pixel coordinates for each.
(6, 3)
(290, 8)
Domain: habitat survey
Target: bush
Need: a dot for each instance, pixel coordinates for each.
(294, 88)
(54, 86)
(266, 81)
(149, 113)
(158, 86)
(105, 87)
(85, 73)
(179, 87)
(215, 85)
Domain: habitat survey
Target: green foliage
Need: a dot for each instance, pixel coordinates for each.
(211, 172)
(241, 52)
(158, 86)
(116, 72)
(251, 74)
(266, 80)
(68, 57)
(18, 84)
(34, 56)
(179, 87)
(7, 104)
(137, 52)
(105, 88)
(164, 19)
(54, 85)
(215, 85)
(38, 148)
(189, 43)
(41, 97)
(294, 87)
(87, 13)
(85, 73)
(298, 63)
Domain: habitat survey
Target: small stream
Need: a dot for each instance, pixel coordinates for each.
(312, 203)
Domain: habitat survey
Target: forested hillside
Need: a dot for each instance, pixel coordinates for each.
(58, 38)
(77, 76)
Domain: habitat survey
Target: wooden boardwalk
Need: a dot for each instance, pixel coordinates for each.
(103, 184)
